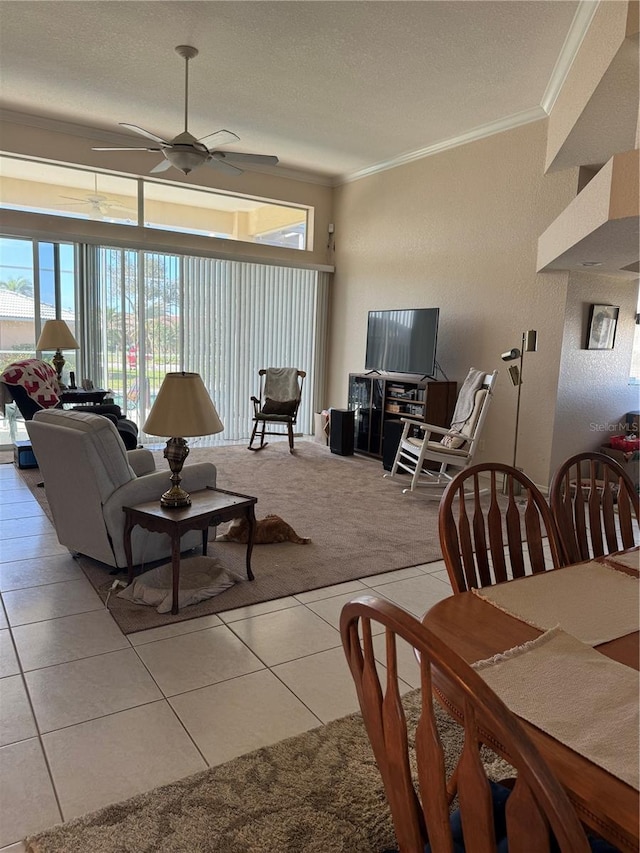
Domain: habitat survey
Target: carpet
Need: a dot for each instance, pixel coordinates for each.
(359, 524)
(319, 792)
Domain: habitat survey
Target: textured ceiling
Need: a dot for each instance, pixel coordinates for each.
(332, 88)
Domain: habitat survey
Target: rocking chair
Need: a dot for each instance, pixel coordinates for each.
(452, 448)
(277, 404)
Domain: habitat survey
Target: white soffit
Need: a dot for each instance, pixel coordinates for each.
(599, 230)
(336, 89)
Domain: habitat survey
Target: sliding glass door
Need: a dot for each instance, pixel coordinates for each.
(149, 313)
(138, 315)
(37, 283)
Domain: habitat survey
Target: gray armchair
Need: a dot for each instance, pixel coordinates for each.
(89, 477)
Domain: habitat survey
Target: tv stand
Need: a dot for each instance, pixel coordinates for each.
(378, 400)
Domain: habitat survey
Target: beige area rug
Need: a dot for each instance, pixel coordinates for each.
(359, 524)
(319, 792)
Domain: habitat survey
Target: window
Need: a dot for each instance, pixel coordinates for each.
(149, 313)
(59, 190)
(67, 191)
(213, 214)
(37, 283)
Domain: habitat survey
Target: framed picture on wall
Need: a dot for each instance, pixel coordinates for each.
(603, 320)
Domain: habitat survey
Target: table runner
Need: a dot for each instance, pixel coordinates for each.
(629, 559)
(575, 694)
(591, 601)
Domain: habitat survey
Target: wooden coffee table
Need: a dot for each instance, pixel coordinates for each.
(208, 507)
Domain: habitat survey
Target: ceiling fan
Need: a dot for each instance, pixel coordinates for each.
(99, 205)
(185, 152)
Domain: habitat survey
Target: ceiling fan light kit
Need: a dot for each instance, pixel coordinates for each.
(186, 153)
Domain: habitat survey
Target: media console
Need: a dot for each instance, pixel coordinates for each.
(377, 400)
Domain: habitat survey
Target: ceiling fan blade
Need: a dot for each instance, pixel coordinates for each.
(143, 132)
(126, 149)
(221, 166)
(220, 137)
(258, 159)
(162, 166)
(75, 198)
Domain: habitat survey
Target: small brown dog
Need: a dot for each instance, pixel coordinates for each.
(269, 530)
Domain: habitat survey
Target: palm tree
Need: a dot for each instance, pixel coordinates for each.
(19, 285)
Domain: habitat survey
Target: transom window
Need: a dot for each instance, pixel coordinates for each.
(60, 190)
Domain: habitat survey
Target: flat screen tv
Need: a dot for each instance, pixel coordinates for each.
(402, 341)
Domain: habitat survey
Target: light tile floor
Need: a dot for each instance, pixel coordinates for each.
(89, 716)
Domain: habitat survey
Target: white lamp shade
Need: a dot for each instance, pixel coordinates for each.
(182, 408)
(56, 335)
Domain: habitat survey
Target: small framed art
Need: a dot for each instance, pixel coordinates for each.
(603, 320)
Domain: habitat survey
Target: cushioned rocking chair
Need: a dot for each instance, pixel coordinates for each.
(428, 452)
(280, 393)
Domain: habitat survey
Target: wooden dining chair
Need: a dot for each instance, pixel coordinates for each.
(493, 523)
(595, 505)
(420, 807)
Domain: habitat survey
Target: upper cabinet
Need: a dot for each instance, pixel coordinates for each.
(594, 124)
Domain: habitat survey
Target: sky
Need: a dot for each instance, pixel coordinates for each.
(16, 261)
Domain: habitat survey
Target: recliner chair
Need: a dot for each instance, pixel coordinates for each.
(89, 477)
(33, 386)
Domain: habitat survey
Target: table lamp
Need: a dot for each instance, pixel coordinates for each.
(56, 335)
(183, 407)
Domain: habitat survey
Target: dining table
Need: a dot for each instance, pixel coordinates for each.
(593, 611)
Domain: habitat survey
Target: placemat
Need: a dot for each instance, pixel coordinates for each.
(591, 601)
(630, 559)
(575, 694)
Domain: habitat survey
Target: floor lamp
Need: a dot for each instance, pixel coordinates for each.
(529, 344)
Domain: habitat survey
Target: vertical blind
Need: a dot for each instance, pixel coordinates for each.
(148, 313)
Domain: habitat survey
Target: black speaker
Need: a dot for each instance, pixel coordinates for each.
(342, 428)
(390, 440)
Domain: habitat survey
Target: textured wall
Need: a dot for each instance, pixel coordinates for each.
(594, 392)
(459, 231)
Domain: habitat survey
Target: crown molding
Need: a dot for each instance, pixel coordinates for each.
(499, 126)
(579, 26)
(577, 31)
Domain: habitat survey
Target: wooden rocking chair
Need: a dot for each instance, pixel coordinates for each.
(277, 404)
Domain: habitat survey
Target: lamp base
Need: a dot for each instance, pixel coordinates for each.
(175, 453)
(175, 497)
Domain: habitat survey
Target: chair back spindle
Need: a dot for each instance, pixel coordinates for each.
(506, 534)
(595, 506)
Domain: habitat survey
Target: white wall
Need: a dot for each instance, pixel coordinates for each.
(594, 393)
(459, 231)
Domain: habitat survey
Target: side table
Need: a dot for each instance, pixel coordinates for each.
(208, 507)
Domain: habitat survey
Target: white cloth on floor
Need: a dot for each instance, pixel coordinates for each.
(200, 578)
